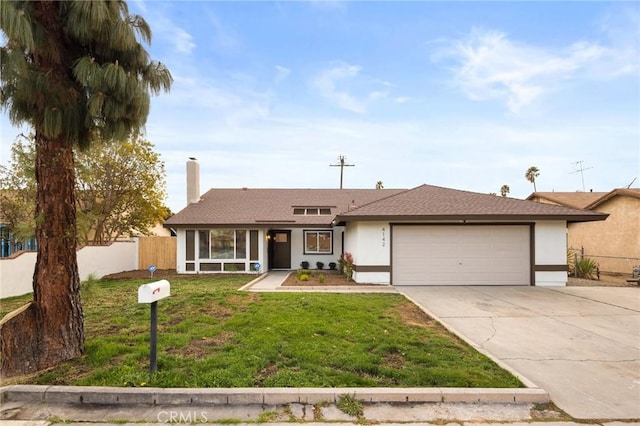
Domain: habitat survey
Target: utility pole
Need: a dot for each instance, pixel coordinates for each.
(342, 165)
(581, 171)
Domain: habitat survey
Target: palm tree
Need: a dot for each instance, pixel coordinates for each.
(73, 71)
(504, 190)
(532, 173)
(379, 185)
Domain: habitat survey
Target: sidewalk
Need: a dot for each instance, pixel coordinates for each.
(271, 405)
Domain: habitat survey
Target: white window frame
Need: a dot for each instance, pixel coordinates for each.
(317, 232)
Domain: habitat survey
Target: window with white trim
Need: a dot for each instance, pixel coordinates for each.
(318, 242)
(223, 244)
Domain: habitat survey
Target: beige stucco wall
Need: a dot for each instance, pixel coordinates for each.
(615, 242)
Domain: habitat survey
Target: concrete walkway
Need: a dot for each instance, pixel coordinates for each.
(580, 344)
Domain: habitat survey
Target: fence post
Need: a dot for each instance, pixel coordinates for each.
(575, 265)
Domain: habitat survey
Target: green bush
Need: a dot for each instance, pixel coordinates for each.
(304, 277)
(586, 268)
(301, 272)
(321, 278)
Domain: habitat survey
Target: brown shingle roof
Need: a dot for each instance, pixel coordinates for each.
(251, 207)
(578, 200)
(428, 202)
(247, 206)
(629, 192)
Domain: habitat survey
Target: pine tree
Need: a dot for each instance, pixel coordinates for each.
(75, 72)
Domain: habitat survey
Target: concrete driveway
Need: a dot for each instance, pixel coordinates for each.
(580, 344)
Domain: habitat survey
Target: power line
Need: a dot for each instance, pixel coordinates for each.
(342, 165)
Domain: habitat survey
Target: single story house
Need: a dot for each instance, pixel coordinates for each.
(613, 243)
(427, 235)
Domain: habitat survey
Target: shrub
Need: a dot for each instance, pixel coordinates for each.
(321, 278)
(301, 272)
(586, 268)
(304, 277)
(304, 264)
(346, 265)
(332, 266)
(319, 265)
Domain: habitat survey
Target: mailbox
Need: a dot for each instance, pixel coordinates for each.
(152, 292)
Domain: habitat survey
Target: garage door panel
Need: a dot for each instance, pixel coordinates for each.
(461, 255)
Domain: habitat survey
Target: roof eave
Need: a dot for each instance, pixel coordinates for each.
(475, 217)
(257, 224)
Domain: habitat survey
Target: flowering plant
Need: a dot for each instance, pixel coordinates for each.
(346, 265)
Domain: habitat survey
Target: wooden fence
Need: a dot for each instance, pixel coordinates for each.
(159, 251)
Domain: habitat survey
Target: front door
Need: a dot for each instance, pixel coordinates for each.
(279, 249)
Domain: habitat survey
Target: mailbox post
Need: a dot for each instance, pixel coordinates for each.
(151, 293)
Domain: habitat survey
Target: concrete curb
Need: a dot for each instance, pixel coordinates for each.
(261, 396)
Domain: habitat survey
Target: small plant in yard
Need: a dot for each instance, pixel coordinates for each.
(348, 404)
(304, 264)
(86, 286)
(332, 266)
(304, 277)
(346, 265)
(267, 416)
(586, 268)
(301, 272)
(317, 410)
(319, 265)
(321, 278)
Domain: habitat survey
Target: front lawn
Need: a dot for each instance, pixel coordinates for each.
(211, 335)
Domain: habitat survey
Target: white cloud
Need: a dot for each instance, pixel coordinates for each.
(183, 41)
(282, 73)
(223, 37)
(179, 40)
(489, 65)
(330, 84)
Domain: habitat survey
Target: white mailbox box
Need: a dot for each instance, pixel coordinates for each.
(152, 292)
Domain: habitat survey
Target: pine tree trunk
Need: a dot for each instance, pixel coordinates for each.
(50, 329)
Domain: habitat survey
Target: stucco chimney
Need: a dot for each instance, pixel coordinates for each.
(193, 181)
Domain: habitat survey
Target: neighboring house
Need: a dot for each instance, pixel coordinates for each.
(10, 243)
(613, 243)
(427, 235)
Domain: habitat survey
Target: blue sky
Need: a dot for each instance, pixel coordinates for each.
(466, 95)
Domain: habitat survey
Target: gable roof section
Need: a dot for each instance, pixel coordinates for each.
(578, 200)
(268, 207)
(428, 202)
(629, 192)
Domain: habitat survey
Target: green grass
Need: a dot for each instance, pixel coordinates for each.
(211, 335)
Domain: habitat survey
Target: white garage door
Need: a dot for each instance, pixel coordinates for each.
(461, 255)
